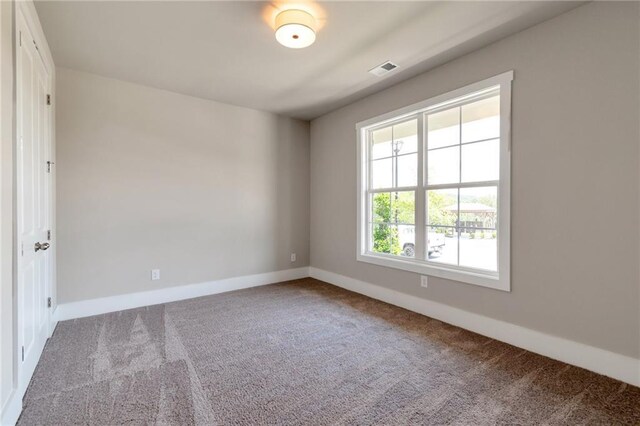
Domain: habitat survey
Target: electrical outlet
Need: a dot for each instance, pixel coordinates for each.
(293, 257)
(424, 281)
(155, 274)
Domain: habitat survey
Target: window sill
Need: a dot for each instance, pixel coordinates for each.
(423, 268)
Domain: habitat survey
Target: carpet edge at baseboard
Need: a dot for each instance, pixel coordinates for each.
(103, 305)
(601, 361)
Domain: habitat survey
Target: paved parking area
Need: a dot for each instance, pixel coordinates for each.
(477, 253)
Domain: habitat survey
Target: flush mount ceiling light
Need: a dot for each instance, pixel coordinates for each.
(295, 28)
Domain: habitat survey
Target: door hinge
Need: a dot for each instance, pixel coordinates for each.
(23, 353)
(20, 38)
(49, 235)
(49, 164)
(48, 99)
(48, 302)
(22, 249)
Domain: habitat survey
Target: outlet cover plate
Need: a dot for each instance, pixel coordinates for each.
(424, 281)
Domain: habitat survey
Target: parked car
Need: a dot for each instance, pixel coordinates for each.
(406, 235)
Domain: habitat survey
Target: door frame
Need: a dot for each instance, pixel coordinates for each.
(27, 15)
(32, 110)
(24, 13)
(27, 10)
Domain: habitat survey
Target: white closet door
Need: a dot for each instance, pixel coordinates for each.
(33, 197)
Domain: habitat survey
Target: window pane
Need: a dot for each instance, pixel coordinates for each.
(407, 170)
(385, 239)
(381, 173)
(405, 137)
(393, 207)
(481, 120)
(481, 161)
(381, 143)
(442, 245)
(479, 249)
(461, 150)
(478, 208)
(444, 166)
(407, 240)
(443, 128)
(442, 207)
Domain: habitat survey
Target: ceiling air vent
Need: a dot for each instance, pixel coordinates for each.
(383, 68)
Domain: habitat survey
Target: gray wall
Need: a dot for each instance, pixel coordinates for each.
(152, 179)
(575, 182)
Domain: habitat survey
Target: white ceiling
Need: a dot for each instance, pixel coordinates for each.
(226, 51)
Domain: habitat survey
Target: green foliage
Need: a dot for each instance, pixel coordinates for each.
(486, 200)
(390, 208)
(437, 202)
(404, 206)
(385, 239)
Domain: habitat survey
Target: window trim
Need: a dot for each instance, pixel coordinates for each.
(500, 280)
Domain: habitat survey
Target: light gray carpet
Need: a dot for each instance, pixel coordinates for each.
(304, 352)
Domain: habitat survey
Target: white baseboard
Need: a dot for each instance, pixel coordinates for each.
(103, 305)
(12, 409)
(598, 360)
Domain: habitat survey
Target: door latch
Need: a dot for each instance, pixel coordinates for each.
(41, 246)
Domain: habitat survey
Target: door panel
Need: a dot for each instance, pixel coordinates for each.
(42, 211)
(28, 284)
(33, 200)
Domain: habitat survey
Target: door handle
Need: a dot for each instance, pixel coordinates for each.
(41, 246)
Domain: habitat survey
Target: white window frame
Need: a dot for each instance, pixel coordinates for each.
(500, 279)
